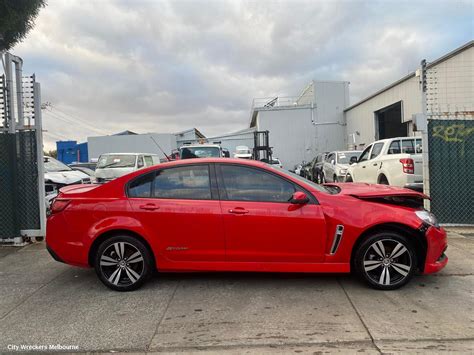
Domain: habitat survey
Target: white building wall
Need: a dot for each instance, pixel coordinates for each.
(232, 140)
(451, 86)
(139, 143)
(361, 118)
(314, 125)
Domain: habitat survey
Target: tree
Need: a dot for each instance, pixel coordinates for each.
(51, 153)
(17, 17)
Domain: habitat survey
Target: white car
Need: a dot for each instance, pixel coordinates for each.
(335, 165)
(192, 151)
(242, 152)
(113, 165)
(57, 175)
(273, 161)
(393, 161)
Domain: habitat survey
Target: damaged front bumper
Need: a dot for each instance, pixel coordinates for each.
(437, 243)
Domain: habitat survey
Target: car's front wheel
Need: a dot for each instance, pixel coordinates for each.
(123, 263)
(386, 260)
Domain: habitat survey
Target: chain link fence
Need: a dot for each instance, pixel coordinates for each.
(21, 165)
(450, 113)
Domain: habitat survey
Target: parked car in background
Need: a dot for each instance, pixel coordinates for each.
(192, 151)
(90, 165)
(304, 172)
(242, 152)
(297, 169)
(85, 170)
(316, 168)
(393, 161)
(273, 161)
(113, 165)
(241, 215)
(58, 175)
(336, 164)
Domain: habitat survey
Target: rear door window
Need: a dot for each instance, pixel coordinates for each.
(148, 160)
(394, 148)
(187, 183)
(141, 186)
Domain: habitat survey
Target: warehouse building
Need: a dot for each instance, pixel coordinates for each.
(301, 127)
(389, 112)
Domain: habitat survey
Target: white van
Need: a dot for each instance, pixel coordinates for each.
(113, 165)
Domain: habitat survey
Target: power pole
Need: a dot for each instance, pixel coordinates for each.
(424, 133)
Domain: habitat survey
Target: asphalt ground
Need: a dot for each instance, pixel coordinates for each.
(43, 303)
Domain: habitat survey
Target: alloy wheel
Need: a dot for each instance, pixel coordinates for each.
(122, 264)
(387, 262)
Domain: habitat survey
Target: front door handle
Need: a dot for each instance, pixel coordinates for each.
(238, 210)
(363, 167)
(149, 207)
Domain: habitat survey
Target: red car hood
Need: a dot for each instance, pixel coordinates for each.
(363, 190)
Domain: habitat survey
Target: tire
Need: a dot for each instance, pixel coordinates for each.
(383, 180)
(323, 179)
(385, 260)
(123, 263)
(334, 179)
(348, 178)
(319, 178)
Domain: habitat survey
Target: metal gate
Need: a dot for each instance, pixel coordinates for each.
(22, 207)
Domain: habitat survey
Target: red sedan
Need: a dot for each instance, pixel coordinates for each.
(235, 215)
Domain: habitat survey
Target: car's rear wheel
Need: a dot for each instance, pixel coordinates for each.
(348, 178)
(123, 263)
(334, 178)
(386, 260)
(383, 180)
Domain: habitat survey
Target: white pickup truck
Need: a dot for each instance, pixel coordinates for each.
(393, 161)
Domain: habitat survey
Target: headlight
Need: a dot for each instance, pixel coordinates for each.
(427, 217)
(342, 172)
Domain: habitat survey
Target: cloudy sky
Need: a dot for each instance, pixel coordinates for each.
(165, 66)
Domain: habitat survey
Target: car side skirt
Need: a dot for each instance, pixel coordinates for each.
(255, 266)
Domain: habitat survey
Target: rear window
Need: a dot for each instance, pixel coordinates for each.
(116, 161)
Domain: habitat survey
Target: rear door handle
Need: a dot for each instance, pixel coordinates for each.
(149, 207)
(375, 164)
(238, 210)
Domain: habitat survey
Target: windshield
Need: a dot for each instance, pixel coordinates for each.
(200, 152)
(345, 157)
(304, 181)
(116, 161)
(52, 165)
(243, 151)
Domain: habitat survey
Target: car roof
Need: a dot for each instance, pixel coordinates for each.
(200, 145)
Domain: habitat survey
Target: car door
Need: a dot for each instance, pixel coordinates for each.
(373, 165)
(359, 171)
(328, 167)
(179, 207)
(260, 223)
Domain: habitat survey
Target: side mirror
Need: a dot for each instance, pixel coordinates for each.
(353, 160)
(299, 198)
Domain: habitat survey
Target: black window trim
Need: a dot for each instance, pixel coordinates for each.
(212, 178)
(223, 193)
